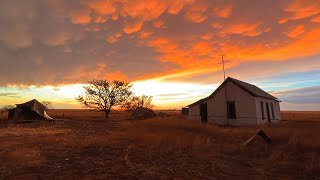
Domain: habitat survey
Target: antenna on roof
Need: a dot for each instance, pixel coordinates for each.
(223, 62)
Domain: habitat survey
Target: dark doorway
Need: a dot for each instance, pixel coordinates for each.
(231, 105)
(204, 112)
(268, 112)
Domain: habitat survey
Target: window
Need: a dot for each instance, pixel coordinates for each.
(273, 117)
(262, 110)
(231, 105)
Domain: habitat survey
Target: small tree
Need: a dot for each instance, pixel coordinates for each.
(138, 101)
(103, 95)
(47, 104)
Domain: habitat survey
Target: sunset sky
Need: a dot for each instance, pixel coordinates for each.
(169, 49)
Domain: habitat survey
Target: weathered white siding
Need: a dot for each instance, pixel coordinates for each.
(276, 108)
(217, 107)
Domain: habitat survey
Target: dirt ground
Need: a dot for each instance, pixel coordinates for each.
(85, 147)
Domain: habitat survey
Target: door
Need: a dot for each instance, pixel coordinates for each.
(268, 112)
(204, 112)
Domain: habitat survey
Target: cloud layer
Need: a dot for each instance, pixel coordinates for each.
(52, 42)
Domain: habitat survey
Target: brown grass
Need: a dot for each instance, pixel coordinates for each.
(170, 147)
(300, 115)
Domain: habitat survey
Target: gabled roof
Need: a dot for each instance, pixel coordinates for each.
(249, 88)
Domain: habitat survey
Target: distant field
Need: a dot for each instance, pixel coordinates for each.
(300, 115)
(86, 147)
(90, 114)
(84, 114)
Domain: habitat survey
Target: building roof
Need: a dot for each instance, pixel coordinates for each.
(249, 88)
(31, 104)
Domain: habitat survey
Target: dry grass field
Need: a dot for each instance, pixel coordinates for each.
(85, 147)
(300, 115)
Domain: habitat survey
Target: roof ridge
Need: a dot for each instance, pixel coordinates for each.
(247, 87)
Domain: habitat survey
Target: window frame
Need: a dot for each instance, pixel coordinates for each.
(228, 110)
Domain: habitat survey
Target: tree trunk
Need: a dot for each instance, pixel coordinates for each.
(106, 114)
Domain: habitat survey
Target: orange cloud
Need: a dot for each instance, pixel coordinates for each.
(176, 6)
(101, 7)
(143, 10)
(207, 36)
(202, 48)
(81, 19)
(97, 72)
(223, 11)
(162, 44)
(158, 24)
(56, 39)
(195, 33)
(115, 17)
(132, 27)
(305, 45)
(300, 9)
(113, 38)
(282, 21)
(117, 75)
(316, 19)
(245, 29)
(296, 31)
(100, 19)
(196, 12)
(145, 34)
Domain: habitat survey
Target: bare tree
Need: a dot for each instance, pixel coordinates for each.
(103, 95)
(138, 101)
(47, 104)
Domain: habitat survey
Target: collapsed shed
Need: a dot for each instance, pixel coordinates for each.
(31, 110)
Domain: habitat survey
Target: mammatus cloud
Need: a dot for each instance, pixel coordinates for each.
(65, 42)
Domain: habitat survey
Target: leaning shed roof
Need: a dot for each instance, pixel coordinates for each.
(31, 104)
(34, 105)
(249, 88)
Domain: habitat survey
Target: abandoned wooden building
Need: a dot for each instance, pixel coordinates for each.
(236, 103)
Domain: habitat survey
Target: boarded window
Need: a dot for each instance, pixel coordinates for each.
(262, 110)
(231, 105)
(272, 110)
